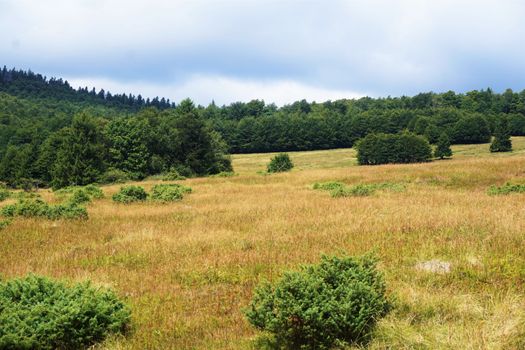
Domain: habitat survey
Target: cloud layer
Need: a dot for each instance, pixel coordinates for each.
(277, 50)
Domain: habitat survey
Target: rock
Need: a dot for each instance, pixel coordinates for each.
(436, 266)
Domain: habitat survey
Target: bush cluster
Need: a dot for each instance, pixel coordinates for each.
(338, 189)
(334, 303)
(130, 194)
(405, 147)
(169, 192)
(506, 189)
(40, 313)
(173, 175)
(37, 208)
(76, 195)
(4, 194)
(280, 163)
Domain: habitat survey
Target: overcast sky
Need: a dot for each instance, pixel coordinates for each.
(276, 50)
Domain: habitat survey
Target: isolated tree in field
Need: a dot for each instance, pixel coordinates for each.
(280, 163)
(443, 147)
(501, 142)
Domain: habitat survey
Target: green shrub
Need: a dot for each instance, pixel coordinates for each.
(4, 223)
(353, 191)
(114, 176)
(169, 192)
(338, 189)
(4, 194)
(506, 189)
(40, 313)
(37, 208)
(129, 194)
(80, 196)
(173, 175)
(328, 186)
(334, 303)
(280, 163)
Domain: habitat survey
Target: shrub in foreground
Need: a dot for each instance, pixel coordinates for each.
(336, 302)
(4, 194)
(40, 313)
(129, 194)
(406, 147)
(506, 189)
(173, 175)
(37, 208)
(169, 192)
(338, 189)
(280, 163)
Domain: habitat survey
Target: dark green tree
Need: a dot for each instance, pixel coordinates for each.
(80, 157)
(443, 147)
(501, 141)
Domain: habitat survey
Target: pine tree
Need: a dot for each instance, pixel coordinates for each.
(501, 142)
(443, 147)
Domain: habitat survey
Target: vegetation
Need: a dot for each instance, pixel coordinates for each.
(4, 194)
(37, 208)
(280, 163)
(501, 142)
(506, 189)
(40, 313)
(443, 147)
(376, 149)
(338, 189)
(130, 194)
(189, 270)
(336, 302)
(169, 192)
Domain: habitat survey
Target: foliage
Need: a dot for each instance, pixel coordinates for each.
(114, 176)
(4, 194)
(129, 194)
(173, 175)
(224, 174)
(443, 147)
(506, 189)
(405, 147)
(37, 208)
(169, 192)
(4, 223)
(333, 303)
(40, 313)
(280, 163)
(328, 186)
(501, 142)
(471, 129)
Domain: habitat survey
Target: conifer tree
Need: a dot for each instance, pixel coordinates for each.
(443, 147)
(501, 142)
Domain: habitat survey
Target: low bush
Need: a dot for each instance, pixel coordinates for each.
(506, 189)
(91, 191)
(40, 313)
(173, 175)
(280, 163)
(338, 189)
(37, 208)
(114, 176)
(169, 192)
(4, 223)
(334, 303)
(79, 197)
(328, 186)
(129, 194)
(4, 194)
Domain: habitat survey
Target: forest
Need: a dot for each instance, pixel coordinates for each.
(54, 135)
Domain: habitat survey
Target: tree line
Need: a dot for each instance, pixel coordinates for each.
(43, 120)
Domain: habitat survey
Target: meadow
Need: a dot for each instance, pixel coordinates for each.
(187, 269)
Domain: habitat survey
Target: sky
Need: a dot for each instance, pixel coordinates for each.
(276, 50)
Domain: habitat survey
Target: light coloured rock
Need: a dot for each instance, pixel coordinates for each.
(435, 266)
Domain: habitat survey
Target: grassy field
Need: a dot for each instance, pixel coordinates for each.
(188, 268)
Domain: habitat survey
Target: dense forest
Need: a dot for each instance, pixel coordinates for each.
(53, 134)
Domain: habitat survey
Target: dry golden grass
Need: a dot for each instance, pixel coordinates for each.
(188, 268)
